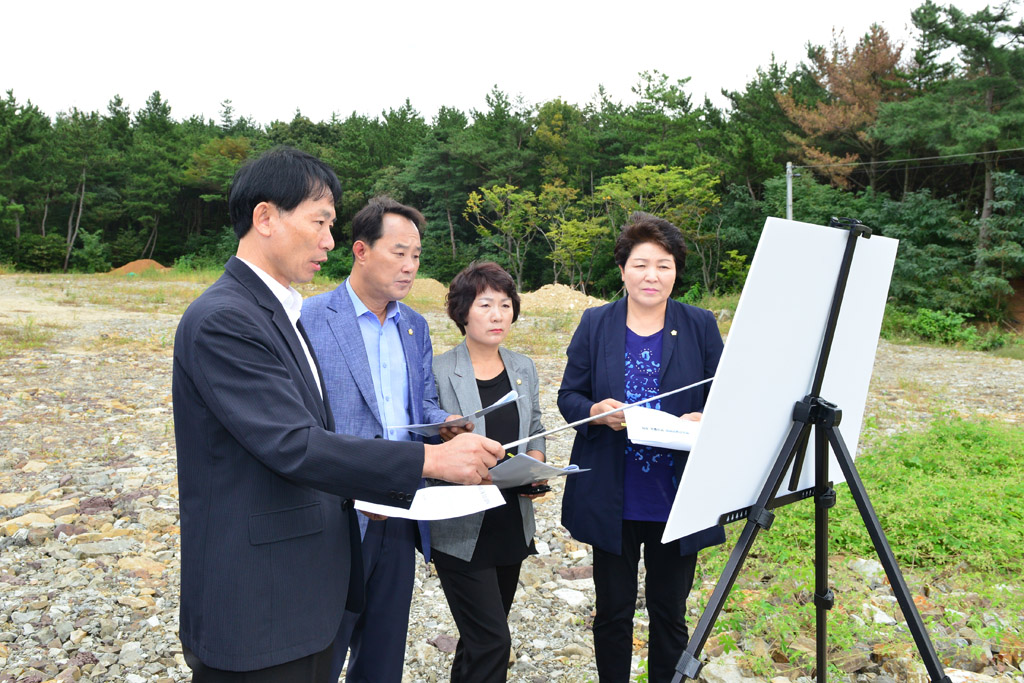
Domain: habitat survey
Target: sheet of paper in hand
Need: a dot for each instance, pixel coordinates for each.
(649, 427)
(435, 428)
(522, 470)
(441, 502)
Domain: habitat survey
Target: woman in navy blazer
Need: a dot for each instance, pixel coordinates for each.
(637, 347)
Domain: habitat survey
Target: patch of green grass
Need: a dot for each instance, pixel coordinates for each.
(24, 335)
(945, 496)
(204, 276)
(1013, 350)
(948, 501)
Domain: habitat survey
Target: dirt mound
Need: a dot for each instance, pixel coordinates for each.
(428, 287)
(558, 297)
(138, 266)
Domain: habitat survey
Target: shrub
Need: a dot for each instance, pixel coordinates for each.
(693, 296)
(39, 253)
(208, 252)
(94, 255)
(733, 272)
(944, 327)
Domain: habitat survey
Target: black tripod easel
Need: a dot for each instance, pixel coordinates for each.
(825, 417)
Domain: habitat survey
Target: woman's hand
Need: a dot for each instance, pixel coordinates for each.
(616, 421)
(692, 417)
(449, 433)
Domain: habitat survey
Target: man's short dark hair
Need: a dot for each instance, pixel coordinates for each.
(367, 225)
(472, 281)
(283, 176)
(643, 227)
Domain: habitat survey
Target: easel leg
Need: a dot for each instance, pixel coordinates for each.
(885, 555)
(760, 518)
(824, 498)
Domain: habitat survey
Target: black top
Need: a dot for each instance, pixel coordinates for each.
(501, 539)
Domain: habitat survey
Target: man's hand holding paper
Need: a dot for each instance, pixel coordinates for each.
(523, 470)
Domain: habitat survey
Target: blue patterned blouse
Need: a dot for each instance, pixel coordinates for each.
(650, 480)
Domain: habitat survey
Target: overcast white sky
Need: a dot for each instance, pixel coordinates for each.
(344, 56)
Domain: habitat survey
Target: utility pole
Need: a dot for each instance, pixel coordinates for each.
(789, 190)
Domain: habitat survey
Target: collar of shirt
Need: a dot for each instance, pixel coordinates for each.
(291, 301)
(289, 297)
(392, 311)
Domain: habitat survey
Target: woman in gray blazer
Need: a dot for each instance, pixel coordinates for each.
(478, 557)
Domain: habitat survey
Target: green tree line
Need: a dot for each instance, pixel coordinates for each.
(923, 142)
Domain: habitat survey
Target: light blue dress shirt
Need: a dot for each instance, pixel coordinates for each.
(386, 356)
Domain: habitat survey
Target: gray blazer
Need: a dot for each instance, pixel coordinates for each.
(457, 393)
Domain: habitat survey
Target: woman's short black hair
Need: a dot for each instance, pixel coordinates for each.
(283, 176)
(368, 223)
(643, 227)
(474, 279)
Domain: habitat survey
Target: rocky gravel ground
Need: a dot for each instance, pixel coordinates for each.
(88, 499)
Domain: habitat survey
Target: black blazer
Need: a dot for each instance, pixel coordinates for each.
(266, 544)
(691, 346)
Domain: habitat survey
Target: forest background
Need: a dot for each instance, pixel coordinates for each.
(923, 142)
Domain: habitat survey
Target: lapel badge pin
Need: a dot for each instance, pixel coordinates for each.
(673, 333)
(410, 331)
(519, 381)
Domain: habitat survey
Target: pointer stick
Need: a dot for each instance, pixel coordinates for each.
(595, 417)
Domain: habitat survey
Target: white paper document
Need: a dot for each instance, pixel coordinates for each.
(435, 428)
(441, 502)
(649, 427)
(522, 470)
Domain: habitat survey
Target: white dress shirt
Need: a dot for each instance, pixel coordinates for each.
(291, 300)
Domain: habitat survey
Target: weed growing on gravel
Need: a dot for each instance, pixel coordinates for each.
(113, 340)
(543, 333)
(25, 334)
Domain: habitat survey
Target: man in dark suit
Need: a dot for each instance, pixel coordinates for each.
(269, 540)
(376, 357)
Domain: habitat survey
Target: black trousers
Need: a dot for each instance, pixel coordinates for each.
(480, 600)
(315, 668)
(669, 579)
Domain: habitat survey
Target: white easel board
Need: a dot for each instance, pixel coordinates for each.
(769, 361)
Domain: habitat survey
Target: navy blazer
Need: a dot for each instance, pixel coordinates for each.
(333, 330)
(595, 370)
(266, 547)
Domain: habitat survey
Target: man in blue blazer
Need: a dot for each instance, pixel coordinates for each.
(268, 538)
(376, 357)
